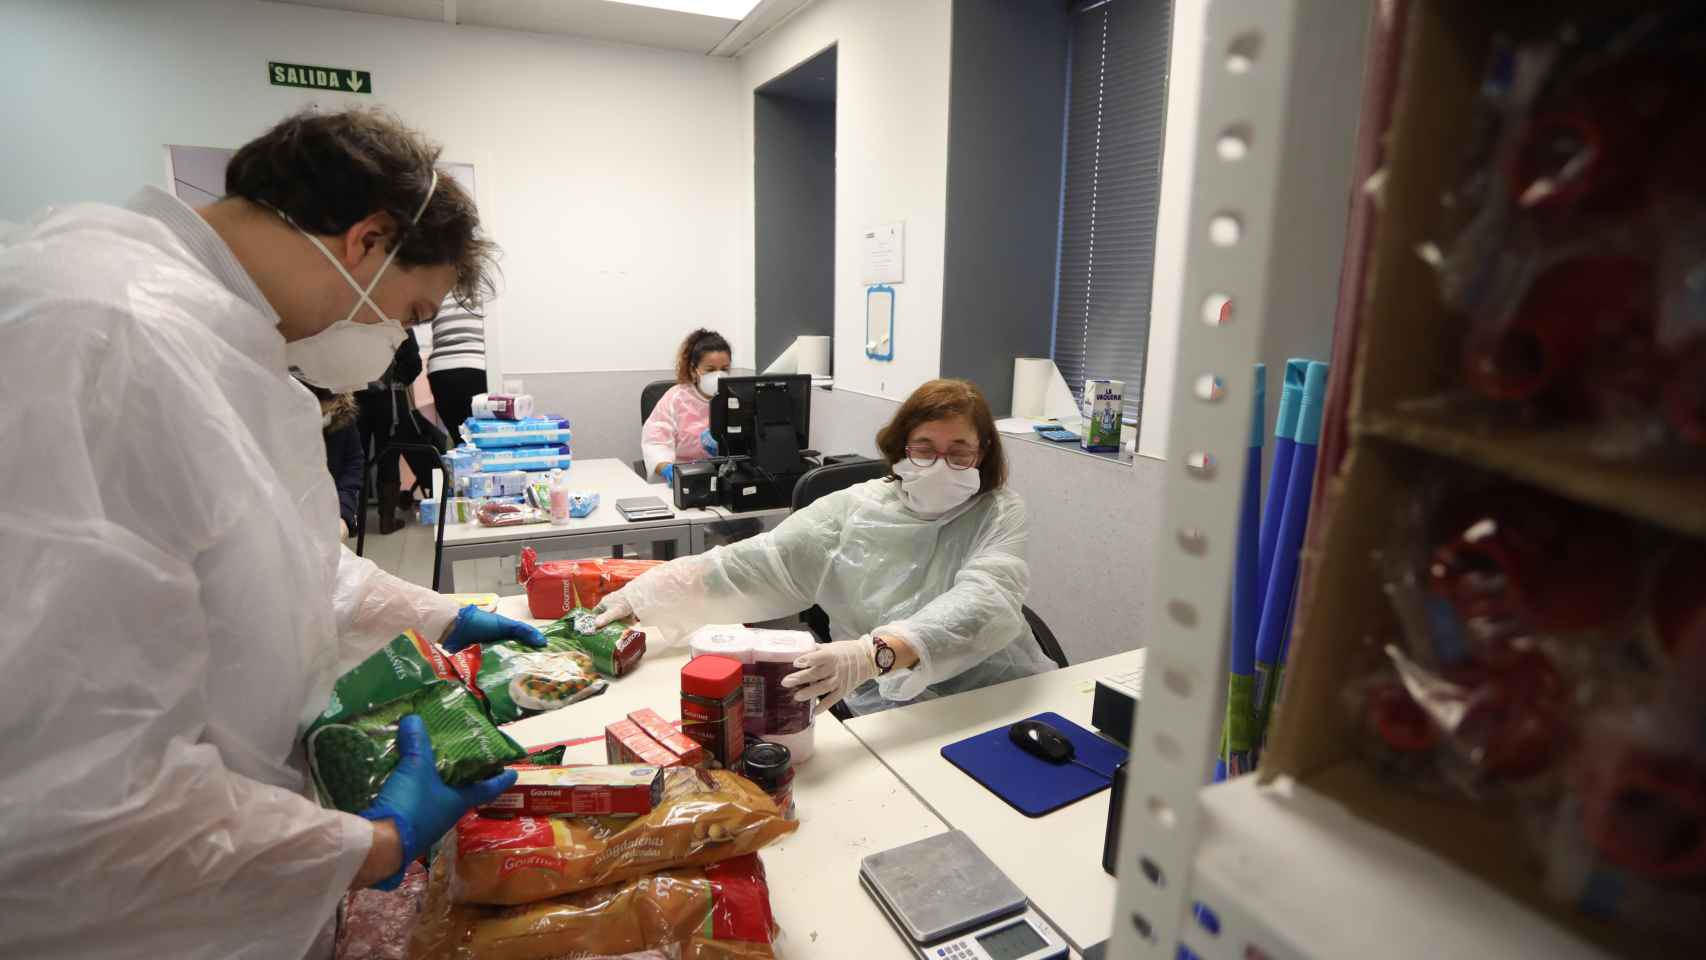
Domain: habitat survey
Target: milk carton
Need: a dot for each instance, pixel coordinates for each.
(1104, 401)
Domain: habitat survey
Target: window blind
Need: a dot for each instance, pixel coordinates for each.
(1110, 191)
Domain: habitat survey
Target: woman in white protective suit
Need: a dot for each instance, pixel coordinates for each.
(922, 574)
(177, 602)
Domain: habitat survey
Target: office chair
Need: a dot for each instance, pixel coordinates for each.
(650, 394)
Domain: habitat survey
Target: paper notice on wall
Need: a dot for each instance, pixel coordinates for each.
(884, 254)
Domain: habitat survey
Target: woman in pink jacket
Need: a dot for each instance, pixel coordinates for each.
(679, 429)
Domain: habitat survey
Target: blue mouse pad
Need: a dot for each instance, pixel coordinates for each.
(1032, 785)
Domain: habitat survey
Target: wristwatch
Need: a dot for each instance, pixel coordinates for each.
(884, 655)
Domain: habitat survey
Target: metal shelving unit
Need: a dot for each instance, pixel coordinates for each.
(1242, 870)
(1281, 82)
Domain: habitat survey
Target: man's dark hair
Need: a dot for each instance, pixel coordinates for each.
(329, 171)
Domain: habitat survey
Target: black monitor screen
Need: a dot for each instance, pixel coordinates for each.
(765, 418)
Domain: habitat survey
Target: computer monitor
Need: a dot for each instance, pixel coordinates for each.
(766, 419)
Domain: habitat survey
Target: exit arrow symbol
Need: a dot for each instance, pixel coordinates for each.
(354, 81)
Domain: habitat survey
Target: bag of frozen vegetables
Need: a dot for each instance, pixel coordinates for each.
(518, 681)
(614, 650)
(350, 758)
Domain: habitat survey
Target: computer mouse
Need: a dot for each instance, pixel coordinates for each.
(1042, 740)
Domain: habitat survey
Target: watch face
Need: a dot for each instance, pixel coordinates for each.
(885, 657)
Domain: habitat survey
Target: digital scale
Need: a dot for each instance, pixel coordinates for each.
(635, 509)
(950, 902)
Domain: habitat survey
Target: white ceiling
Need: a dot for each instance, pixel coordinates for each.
(594, 19)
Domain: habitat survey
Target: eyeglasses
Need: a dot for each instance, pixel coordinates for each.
(959, 458)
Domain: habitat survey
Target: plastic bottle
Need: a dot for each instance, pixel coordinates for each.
(559, 497)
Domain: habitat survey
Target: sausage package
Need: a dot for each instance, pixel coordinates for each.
(556, 587)
(717, 912)
(703, 817)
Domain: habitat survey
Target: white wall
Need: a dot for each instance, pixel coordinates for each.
(891, 141)
(1172, 227)
(611, 175)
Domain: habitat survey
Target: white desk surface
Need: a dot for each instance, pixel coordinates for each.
(850, 805)
(1057, 858)
(609, 478)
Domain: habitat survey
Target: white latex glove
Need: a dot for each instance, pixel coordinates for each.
(615, 607)
(832, 671)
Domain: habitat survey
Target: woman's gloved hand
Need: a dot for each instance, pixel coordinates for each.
(473, 625)
(418, 802)
(615, 607)
(832, 671)
(667, 472)
(708, 442)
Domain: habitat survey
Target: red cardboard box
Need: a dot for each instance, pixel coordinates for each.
(665, 733)
(625, 742)
(612, 791)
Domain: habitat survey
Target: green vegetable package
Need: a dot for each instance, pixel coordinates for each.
(352, 746)
(614, 650)
(518, 681)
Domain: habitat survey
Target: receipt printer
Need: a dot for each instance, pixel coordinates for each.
(695, 484)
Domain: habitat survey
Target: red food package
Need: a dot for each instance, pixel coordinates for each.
(376, 924)
(609, 791)
(671, 739)
(625, 742)
(554, 587)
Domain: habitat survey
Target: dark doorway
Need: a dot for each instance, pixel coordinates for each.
(793, 129)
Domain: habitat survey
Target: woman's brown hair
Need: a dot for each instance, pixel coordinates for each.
(693, 350)
(944, 400)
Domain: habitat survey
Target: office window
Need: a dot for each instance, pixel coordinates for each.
(1110, 191)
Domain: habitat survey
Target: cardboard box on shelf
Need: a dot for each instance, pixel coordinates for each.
(1410, 346)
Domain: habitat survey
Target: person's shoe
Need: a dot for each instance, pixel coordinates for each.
(388, 525)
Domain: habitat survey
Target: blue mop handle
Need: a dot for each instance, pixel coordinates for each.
(1282, 584)
(1236, 741)
(1285, 441)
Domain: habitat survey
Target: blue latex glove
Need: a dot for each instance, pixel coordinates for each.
(668, 473)
(474, 625)
(708, 442)
(419, 803)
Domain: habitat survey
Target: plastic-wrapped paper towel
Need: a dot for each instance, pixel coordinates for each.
(766, 657)
(805, 355)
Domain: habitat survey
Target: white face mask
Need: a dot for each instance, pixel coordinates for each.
(347, 355)
(708, 382)
(934, 490)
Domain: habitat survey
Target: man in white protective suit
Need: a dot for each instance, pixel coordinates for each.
(177, 601)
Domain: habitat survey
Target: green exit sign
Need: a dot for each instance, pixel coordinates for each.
(319, 78)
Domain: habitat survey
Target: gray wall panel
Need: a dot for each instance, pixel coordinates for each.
(1008, 98)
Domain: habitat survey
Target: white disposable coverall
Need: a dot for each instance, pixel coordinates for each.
(672, 433)
(177, 601)
(952, 586)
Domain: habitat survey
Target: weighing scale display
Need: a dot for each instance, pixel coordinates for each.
(951, 903)
(1011, 942)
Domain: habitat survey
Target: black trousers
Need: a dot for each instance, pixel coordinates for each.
(453, 393)
(383, 424)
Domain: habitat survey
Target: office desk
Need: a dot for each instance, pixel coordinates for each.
(850, 806)
(1057, 858)
(715, 526)
(612, 480)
